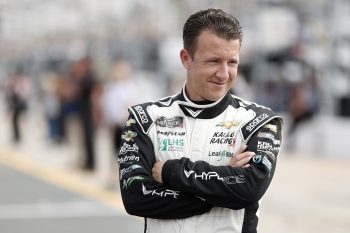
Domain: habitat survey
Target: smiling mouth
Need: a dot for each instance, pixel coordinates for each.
(217, 83)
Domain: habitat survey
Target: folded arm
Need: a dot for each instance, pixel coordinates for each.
(141, 194)
(229, 186)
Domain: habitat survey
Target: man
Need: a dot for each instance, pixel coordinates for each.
(18, 93)
(200, 161)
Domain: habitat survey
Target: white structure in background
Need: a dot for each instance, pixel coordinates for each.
(277, 28)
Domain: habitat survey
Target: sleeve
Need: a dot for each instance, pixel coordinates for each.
(226, 186)
(141, 194)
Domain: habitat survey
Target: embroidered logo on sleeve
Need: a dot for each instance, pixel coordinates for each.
(271, 127)
(129, 135)
(206, 176)
(256, 121)
(128, 169)
(142, 117)
(165, 193)
(128, 148)
(127, 183)
(130, 122)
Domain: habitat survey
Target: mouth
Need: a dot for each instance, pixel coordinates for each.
(218, 84)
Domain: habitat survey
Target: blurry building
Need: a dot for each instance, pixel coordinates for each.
(284, 42)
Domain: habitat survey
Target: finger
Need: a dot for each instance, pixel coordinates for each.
(156, 171)
(244, 155)
(241, 159)
(243, 162)
(156, 164)
(154, 174)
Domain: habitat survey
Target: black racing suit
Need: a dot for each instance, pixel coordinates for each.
(200, 191)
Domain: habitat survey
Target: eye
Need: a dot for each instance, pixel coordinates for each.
(212, 61)
(233, 63)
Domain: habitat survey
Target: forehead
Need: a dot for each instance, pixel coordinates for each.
(209, 44)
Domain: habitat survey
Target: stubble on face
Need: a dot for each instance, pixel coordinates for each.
(213, 69)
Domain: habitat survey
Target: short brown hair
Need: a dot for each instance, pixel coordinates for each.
(217, 21)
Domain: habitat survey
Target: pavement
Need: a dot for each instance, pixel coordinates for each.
(29, 204)
(44, 191)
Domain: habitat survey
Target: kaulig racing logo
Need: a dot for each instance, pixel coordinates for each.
(267, 146)
(222, 138)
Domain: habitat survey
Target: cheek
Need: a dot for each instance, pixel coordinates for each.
(202, 73)
(233, 75)
(207, 72)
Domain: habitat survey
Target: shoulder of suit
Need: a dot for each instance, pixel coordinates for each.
(143, 113)
(261, 116)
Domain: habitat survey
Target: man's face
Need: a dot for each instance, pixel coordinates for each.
(212, 70)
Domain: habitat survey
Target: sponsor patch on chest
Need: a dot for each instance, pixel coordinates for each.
(171, 144)
(222, 138)
(219, 155)
(174, 122)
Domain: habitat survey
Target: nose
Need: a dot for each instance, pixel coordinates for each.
(223, 72)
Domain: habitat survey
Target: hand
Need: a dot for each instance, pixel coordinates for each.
(157, 171)
(241, 159)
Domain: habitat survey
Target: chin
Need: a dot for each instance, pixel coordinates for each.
(215, 97)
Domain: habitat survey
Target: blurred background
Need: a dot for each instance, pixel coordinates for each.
(69, 69)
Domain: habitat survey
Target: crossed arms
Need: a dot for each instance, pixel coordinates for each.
(181, 188)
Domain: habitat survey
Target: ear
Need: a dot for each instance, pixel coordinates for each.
(185, 58)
